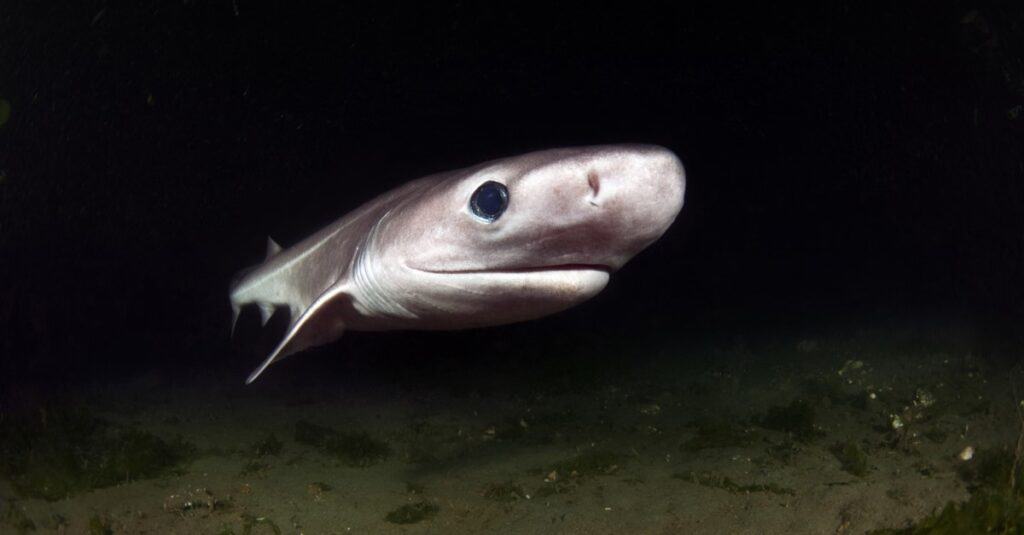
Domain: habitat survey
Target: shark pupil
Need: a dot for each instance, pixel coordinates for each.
(489, 201)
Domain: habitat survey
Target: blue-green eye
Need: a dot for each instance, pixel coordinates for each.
(489, 201)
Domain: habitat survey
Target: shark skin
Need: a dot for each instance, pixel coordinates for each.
(500, 242)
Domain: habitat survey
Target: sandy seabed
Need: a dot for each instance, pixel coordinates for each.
(686, 442)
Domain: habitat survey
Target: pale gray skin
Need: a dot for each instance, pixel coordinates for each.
(417, 257)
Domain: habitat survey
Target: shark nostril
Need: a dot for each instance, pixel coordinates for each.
(595, 183)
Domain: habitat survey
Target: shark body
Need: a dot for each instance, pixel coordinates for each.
(503, 241)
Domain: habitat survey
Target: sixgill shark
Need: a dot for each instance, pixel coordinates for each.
(500, 242)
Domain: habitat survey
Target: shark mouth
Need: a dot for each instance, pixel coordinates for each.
(536, 269)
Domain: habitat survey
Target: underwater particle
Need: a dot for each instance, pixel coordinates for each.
(966, 454)
(991, 470)
(5, 111)
(896, 422)
(412, 513)
(651, 409)
(923, 398)
(850, 365)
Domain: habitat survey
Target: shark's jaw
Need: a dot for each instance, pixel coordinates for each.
(470, 298)
(565, 284)
(565, 268)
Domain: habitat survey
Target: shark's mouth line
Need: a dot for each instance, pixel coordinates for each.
(535, 269)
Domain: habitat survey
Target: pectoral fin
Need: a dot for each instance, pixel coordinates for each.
(321, 323)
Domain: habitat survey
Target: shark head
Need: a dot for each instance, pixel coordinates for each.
(517, 238)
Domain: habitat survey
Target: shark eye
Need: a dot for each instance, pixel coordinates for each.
(489, 201)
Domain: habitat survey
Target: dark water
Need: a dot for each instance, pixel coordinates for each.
(854, 204)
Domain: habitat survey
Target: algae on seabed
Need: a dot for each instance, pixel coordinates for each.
(504, 492)
(60, 452)
(996, 504)
(595, 463)
(15, 518)
(718, 434)
(267, 446)
(357, 449)
(413, 513)
(797, 419)
(727, 484)
(851, 458)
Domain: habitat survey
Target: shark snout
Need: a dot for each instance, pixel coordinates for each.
(628, 199)
(667, 185)
(645, 175)
(636, 195)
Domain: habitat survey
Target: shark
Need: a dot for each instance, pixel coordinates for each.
(504, 241)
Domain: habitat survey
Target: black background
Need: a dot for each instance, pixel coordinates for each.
(842, 158)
